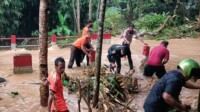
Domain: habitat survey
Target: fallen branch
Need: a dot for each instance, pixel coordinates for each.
(118, 102)
(88, 104)
(156, 31)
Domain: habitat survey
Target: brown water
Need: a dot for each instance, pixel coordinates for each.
(28, 98)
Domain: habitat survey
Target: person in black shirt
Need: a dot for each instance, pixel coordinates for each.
(115, 52)
(164, 94)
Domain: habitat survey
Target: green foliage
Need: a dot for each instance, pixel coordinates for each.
(20, 17)
(113, 19)
(10, 14)
(150, 21)
(35, 33)
(182, 31)
(62, 29)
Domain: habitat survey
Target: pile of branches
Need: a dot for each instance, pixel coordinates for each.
(116, 90)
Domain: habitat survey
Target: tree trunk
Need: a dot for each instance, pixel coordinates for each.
(43, 45)
(75, 17)
(78, 15)
(176, 7)
(99, 52)
(98, 7)
(140, 8)
(90, 10)
(129, 14)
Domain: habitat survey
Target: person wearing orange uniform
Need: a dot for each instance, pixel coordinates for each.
(56, 101)
(84, 32)
(78, 48)
(87, 27)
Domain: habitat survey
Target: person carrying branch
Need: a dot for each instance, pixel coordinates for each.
(165, 92)
(115, 52)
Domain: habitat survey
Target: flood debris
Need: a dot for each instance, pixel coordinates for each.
(116, 90)
(14, 94)
(2, 80)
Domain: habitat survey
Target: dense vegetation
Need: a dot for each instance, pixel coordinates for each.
(20, 17)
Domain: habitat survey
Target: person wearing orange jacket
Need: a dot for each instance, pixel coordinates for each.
(78, 48)
(84, 32)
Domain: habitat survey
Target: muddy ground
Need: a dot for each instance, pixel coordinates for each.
(28, 89)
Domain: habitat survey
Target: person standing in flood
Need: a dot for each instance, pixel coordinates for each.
(165, 93)
(159, 56)
(78, 48)
(84, 32)
(128, 35)
(56, 101)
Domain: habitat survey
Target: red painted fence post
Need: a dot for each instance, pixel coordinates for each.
(146, 50)
(92, 58)
(22, 63)
(107, 38)
(53, 39)
(13, 42)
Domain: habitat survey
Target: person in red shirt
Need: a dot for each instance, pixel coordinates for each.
(78, 48)
(56, 102)
(159, 56)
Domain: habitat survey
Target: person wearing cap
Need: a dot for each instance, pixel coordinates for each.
(165, 92)
(159, 56)
(115, 52)
(78, 48)
(129, 33)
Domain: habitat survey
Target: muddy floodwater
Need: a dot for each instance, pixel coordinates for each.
(27, 85)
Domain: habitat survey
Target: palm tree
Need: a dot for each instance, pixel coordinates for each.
(43, 46)
(99, 51)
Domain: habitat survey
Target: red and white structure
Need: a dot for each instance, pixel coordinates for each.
(92, 58)
(53, 39)
(106, 38)
(13, 42)
(22, 63)
(146, 51)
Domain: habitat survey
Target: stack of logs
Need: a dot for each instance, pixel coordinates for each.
(116, 90)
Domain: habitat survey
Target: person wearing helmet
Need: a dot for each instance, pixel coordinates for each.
(115, 52)
(164, 94)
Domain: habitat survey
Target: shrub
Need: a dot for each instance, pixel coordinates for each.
(113, 19)
(150, 21)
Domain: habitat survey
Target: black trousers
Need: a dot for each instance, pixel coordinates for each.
(129, 55)
(75, 55)
(115, 59)
(149, 70)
